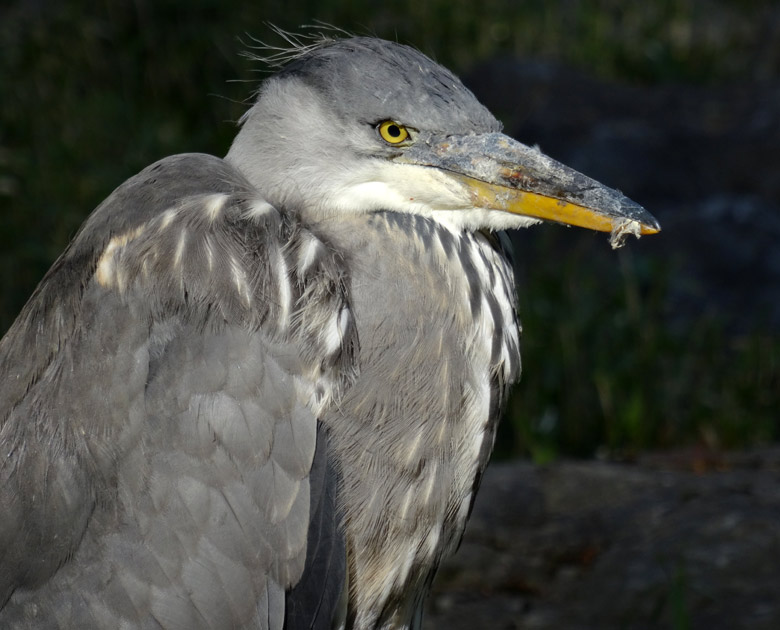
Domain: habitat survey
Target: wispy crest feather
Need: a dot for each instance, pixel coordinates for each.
(298, 45)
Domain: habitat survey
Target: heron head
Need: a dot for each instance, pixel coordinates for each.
(361, 124)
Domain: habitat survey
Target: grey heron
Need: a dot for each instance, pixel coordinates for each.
(260, 391)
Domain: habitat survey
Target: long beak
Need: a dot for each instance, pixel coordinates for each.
(500, 173)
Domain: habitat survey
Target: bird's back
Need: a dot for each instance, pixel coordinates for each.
(159, 446)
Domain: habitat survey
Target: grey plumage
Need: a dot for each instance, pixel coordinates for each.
(146, 411)
(261, 391)
(430, 447)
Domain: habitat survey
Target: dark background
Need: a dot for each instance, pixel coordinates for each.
(672, 341)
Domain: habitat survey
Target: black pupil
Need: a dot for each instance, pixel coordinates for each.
(394, 131)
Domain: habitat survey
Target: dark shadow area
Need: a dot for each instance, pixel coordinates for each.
(658, 365)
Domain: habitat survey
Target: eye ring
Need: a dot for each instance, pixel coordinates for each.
(393, 132)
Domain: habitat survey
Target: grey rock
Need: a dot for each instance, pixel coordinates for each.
(581, 545)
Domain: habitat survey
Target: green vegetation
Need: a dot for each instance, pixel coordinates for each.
(90, 92)
(609, 372)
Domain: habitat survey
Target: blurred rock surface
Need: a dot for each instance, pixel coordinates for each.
(677, 540)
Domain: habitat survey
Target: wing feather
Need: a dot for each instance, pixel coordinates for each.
(159, 395)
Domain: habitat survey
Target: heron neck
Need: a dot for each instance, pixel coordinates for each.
(438, 342)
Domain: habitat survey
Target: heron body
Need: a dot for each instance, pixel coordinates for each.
(260, 392)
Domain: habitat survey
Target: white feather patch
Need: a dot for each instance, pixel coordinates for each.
(181, 244)
(333, 334)
(308, 254)
(209, 249)
(257, 209)
(166, 218)
(285, 292)
(239, 280)
(214, 205)
(106, 272)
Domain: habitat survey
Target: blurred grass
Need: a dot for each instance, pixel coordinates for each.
(607, 372)
(91, 92)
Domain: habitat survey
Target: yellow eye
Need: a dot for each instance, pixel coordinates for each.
(393, 132)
